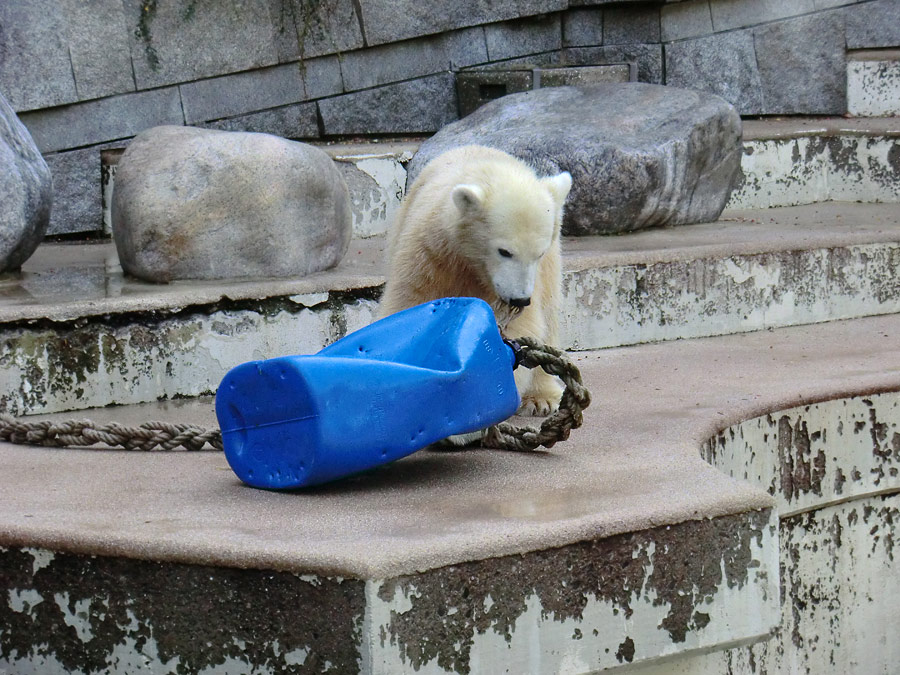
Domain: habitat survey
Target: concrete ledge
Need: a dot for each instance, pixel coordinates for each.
(808, 160)
(526, 553)
(135, 342)
(833, 468)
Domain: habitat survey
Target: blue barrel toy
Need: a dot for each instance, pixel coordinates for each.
(376, 395)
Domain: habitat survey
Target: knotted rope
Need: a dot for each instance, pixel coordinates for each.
(161, 436)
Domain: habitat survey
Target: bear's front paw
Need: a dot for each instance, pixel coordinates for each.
(541, 402)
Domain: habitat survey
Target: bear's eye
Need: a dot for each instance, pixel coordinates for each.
(504, 253)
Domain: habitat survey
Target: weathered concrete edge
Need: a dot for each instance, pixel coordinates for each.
(697, 585)
(834, 467)
(704, 297)
(675, 588)
(147, 356)
(772, 129)
(306, 292)
(74, 613)
(809, 473)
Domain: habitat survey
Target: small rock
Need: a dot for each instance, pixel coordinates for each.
(26, 191)
(203, 204)
(640, 154)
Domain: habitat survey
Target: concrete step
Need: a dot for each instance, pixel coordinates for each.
(622, 546)
(790, 161)
(873, 83)
(78, 334)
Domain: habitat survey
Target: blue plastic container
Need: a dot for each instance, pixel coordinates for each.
(377, 395)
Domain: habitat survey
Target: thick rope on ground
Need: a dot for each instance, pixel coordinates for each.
(161, 436)
(148, 437)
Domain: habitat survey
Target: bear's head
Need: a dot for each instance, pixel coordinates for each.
(507, 226)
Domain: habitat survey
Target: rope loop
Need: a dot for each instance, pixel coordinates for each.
(557, 426)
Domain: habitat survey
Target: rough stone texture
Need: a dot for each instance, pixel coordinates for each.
(582, 28)
(873, 24)
(325, 26)
(189, 39)
(83, 614)
(640, 155)
(292, 121)
(802, 66)
(649, 59)
(35, 70)
(417, 106)
(688, 19)
(201, 204)
(76, 188)
(104, 119)
(584, 76)
(729, 14)
(520, 38)
(98, 47)
(725, 65)
(26, 191)
(413, 58)
(242, 93)
(388, 21)
(631, 24)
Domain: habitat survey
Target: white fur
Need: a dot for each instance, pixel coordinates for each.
(478, 222)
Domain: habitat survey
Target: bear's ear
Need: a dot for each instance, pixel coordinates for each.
(468, 198)
(559, 186)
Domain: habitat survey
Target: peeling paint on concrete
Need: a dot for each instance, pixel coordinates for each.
(584, 607)
(631, 304)
(833, 468)
(119, 616)
(873, 87)
(140, 357)
(818, 454)
(377, 185)
(100, 362)
(810, 169)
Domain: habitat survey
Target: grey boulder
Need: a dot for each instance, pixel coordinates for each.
(26, 191)
(203, 204)
(640, 155)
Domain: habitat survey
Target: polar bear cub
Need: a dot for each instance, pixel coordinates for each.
(478, 222)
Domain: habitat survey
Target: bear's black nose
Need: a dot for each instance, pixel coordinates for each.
(520, 302)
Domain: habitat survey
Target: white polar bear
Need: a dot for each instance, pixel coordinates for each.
(478, 222)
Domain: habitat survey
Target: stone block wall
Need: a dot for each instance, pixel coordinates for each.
(86, 75)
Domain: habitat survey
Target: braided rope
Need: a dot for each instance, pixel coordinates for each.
(148, 437)
(162, 436)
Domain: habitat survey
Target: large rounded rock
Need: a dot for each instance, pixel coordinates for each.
(640, 154)
(26, 191)
(200, 204)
